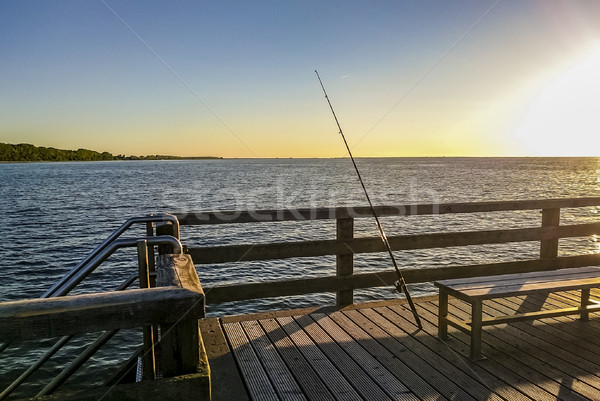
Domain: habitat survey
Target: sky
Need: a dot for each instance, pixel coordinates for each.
(236, 78)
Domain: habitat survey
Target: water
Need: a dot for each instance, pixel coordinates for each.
(53, 214)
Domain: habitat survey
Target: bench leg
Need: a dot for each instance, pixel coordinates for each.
(442, 315)
(585, 300)
(476, 319)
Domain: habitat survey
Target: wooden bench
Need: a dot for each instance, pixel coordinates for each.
(477, 289)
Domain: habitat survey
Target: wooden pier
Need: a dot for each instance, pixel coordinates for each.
(339, 352)
(376, 352)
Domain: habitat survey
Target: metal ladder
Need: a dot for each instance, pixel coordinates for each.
(82, 270)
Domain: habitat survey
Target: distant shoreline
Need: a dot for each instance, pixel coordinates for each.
(25, 152)
(114, 160)
(296, 158)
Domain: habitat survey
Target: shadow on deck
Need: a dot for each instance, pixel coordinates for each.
(375, 352)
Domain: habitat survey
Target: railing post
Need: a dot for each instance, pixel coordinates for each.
(549, 247)
(165, 229)
(148, 359)
(344, 262)
(181, 346)
(151, 255)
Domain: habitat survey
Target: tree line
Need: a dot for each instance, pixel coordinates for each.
(25, 152)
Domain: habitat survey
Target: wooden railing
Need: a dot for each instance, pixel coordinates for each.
(345, 245)
(33, 319)
(173, 306)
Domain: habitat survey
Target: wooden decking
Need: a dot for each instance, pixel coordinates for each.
(375, 352)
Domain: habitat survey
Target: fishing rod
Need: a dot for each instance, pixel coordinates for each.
(400, 284)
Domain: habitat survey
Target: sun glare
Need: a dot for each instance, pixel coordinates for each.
(564, 119)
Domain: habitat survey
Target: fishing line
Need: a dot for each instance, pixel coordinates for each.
(400, 284)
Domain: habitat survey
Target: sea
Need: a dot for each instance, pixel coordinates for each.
(53, 214)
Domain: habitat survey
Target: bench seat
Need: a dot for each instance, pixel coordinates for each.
(477, 289)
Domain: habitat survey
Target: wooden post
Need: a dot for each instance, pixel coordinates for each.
(148, 357)
(476, 325)
(443, 315)
(151, 256)
(180, 343)
(344, 262)
(549, 247)
(179, 349)
(164, 229)
(585, 302)
(152, 270)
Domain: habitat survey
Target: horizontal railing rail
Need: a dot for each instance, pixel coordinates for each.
(303, 286)
(58, 346)
(297, 249)
(77, 314)
(174, 306)
(345, 245)
(325, 213)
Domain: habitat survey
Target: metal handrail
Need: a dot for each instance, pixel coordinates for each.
(79, 273)
(55, 348)
(52, 291)
(74, 279)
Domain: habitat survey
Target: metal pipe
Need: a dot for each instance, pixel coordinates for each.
(55, 348)
(76, 364)
(108, 251)
(51, 292)
(19, 380)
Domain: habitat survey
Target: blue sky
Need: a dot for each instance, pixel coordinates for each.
(236, 79)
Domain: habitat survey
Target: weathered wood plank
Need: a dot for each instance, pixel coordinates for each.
(510, 374)
(527, 367)
(226, 382)
(541, 360)
(237, 292)
(362, 382)
(394, 339)
(370, 341)
(51, 317)
(488, 373)
(570, 333)
(148, 354)
(535, 315)
(531, 277)
(344, 262)
(536, 340)
(526, 288)
(281, 377)
(180, 343)
(307, 378)
(284, 250)
(327, 371)
(469, 376)
(370, 364)
(523, 361)
(253, 373)
(550, 219)
(178, 271)
(233, 217)
(592, 327)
